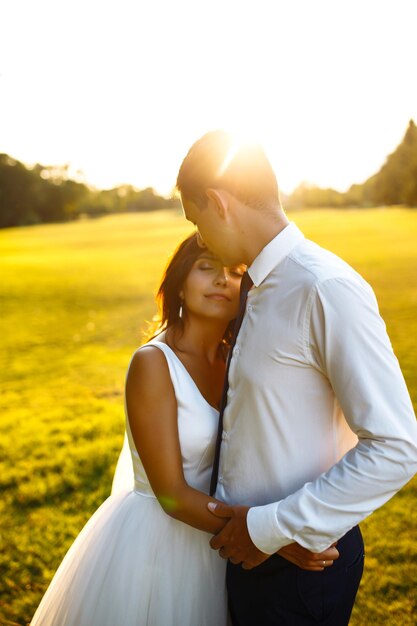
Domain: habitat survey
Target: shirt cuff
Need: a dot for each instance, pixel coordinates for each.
(264, 530)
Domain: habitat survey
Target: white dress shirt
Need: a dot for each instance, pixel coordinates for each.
(319, 428)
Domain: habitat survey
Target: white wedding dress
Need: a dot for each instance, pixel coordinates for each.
(132, 564)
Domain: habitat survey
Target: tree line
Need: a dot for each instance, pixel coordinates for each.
(46, 194)
(43, 194)
(394, 184)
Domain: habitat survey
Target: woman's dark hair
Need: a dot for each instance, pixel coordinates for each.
(168, 295)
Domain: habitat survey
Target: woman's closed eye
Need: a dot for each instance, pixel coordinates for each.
(239, 270)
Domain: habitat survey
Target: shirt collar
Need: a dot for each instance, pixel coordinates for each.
(274, 252)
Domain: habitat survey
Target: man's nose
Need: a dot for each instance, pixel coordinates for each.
(200, 241)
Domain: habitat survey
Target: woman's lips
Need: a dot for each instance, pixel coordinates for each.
(217, 296)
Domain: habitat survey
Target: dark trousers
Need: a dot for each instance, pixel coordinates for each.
(279, 593)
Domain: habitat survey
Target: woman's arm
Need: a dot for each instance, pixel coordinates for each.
(152, 413)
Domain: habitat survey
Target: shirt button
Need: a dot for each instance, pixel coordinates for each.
(249, 307)
(225, 435)
(221, 480)
(236, 350)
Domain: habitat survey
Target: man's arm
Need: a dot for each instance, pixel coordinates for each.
(348, 343)
(235, 543)
(346, 340)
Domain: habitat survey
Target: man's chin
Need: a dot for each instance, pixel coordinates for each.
(215, 253)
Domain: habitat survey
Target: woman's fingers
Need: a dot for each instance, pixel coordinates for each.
(305, 559)
(331, 554)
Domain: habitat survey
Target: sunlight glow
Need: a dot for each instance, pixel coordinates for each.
(240, 138)
(228, 158)
(127, 101)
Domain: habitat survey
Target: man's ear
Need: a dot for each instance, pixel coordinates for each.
(219, 199)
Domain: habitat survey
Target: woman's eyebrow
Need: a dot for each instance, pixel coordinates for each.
(208, 257)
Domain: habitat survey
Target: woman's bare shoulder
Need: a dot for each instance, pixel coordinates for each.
(149, 366)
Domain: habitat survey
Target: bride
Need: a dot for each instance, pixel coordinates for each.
(142, 559)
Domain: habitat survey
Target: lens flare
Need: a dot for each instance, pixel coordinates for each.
(239, 140)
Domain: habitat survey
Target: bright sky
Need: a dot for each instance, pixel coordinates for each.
(120, 89)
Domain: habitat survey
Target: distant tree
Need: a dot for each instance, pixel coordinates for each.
(17, 188)
(354, 196)
(310, 196)
(145, 200)
(47, 194)
(125, 198)
(57, 198)
(396, 181)
(38, 194)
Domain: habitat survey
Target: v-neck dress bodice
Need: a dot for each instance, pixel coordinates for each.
(197, 428)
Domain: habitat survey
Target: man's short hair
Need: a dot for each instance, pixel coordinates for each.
(217, 161)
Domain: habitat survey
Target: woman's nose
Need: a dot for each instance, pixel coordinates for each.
(221, 278)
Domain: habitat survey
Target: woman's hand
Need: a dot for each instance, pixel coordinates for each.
(312, 561)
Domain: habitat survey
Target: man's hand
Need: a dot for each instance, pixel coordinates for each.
(233, 541)
(312, 561)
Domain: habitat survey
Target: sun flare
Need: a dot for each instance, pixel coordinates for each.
(239, 139)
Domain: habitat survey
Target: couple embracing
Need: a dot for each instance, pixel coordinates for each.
(266, 417)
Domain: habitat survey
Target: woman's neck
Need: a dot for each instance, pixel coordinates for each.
(200, 338)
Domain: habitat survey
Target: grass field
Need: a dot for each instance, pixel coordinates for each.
(74, 299)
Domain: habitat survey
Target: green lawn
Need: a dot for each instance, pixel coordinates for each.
(74, 301)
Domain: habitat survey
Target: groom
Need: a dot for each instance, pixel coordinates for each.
(319, 429)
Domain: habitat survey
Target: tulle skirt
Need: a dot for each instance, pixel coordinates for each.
(133, 565)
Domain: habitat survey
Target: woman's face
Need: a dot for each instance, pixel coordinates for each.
(212, 290)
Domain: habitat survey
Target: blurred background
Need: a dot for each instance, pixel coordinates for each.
(99, 103)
